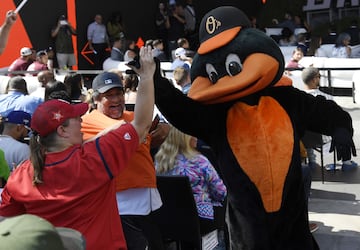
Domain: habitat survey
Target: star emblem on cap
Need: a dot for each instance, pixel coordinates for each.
(57, 116)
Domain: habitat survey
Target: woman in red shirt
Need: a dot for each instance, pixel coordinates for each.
(70, 183)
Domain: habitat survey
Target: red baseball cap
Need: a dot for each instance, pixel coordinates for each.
(51, 114)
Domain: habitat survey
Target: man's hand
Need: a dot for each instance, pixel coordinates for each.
(11, 18)
(5, 29)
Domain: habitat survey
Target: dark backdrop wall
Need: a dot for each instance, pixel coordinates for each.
(138, 16)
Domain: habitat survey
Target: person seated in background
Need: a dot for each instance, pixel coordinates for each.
(129, 55)
(51, 58)
(300, 23)
(159, 52)
(131, 50)
(74, 84)
(17, 97)
(301, 43)
(131, 82)
(311, 78)
(39, 64)
(342, 47)
(297, 55)
(16, 128)
(54, 86)
(288, 22)
(180, 58)
(184, 43)
(177, 156)
(43, 77)
(287, 37)
(182, 77)
(116, 53)
(21, 63)
(315, 47)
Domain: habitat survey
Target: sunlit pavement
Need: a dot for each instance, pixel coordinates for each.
(335, 204)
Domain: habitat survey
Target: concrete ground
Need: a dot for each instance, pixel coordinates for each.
(335, 204)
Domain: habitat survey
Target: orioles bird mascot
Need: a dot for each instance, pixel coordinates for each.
(241, 105)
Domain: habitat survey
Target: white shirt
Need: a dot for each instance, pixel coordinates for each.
(340, 52)
(316, 92)
(138, 201)
(39, 92)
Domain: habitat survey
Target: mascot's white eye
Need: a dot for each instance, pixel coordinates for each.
(211, 71)
(233, 64)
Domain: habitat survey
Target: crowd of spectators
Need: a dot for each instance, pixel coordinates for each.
(297, 32)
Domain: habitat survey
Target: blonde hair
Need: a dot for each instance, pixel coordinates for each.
(175, 143)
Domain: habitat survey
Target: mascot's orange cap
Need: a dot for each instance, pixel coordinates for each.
(219, 26)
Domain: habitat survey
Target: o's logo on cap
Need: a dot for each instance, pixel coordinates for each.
(212, 24)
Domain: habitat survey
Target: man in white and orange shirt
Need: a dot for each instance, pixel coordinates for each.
(137, 195)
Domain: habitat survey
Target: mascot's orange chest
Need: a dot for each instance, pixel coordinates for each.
(262, 140)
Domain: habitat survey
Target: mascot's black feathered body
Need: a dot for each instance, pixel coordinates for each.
(241, 105)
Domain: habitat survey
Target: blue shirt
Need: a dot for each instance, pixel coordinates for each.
(185, 89)
(177, 63)
(15, 100)
(117, 54)
(96, 33)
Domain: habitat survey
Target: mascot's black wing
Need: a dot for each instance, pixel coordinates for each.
(319, 115)
(192, 117)
(314, 113)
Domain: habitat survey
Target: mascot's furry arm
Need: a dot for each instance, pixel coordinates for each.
(312, 113)
(207, 121)
(319, 115)
(190, 116)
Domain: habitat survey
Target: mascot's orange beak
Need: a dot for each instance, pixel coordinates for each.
(258, 71)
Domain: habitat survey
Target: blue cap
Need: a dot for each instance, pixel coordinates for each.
(18, 117)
